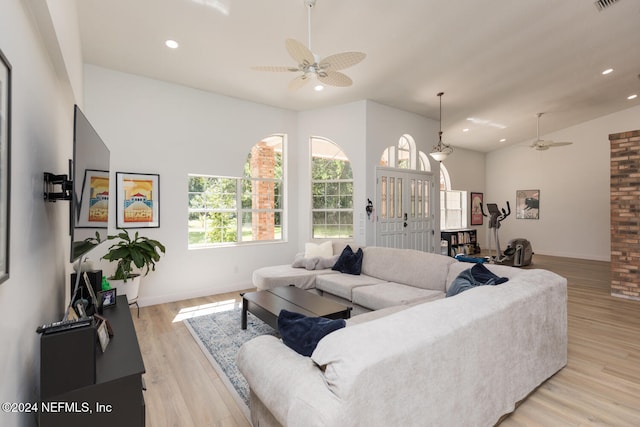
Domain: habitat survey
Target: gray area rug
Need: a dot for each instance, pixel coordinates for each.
(220, 337)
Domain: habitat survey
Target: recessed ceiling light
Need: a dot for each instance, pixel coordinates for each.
(634, 96)
(172, 44)
(465, 130)
(318, 88)
(503, 139)
(607, 71)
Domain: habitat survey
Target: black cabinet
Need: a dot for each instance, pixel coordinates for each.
(80, 385)
(463, 241)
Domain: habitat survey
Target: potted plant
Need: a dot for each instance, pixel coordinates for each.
(141, 252)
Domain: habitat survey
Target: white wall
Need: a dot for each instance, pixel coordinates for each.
(42, 133)
(573, 183)
(171, 130)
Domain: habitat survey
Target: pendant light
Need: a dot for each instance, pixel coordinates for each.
(440, 151)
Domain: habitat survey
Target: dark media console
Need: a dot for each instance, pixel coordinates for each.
(82, 386)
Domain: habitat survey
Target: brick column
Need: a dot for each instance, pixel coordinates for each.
(625, 214)
(262, 166)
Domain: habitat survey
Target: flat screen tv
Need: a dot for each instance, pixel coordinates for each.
(90, 187)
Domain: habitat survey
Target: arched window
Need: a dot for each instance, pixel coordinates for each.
(331, 191)
(405, 155)
(225, 210)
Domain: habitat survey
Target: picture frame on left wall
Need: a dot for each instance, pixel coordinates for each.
(5, 164)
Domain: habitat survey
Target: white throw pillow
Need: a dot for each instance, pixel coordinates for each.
(323, 250)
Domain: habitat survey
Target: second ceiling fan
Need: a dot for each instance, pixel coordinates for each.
(541, 144)
(309, 64)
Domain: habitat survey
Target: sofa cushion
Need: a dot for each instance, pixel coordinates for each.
(389, 294)
(285, 275)
(416, 268)
(342, 284)
(324, 250)
(349, 262)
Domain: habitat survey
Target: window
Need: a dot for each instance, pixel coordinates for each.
(453, 204)
(331, 191)
(404, 155)
(227, 210)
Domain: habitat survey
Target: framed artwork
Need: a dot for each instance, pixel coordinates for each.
(137, 200)
(107, 298)
(103, 335)
(528, 204)
(5, 164)
(93, 211)
(476, 208)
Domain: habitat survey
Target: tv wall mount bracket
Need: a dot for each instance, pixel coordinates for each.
(50, 183)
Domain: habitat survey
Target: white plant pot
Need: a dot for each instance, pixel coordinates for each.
(129, 288)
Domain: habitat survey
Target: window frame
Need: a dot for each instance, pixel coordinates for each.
(238, 211)
(339, 211)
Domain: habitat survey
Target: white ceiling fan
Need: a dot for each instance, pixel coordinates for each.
(540, 144)
(309, 64)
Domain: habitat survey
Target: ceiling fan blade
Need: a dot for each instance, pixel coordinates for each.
(274, 68)
(542, 145)
(343, 60)
(298, 82)
(334, 78)
(299, 52)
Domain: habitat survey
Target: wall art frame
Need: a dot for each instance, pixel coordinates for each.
(137, 200)
(477, 199)
(528, 204)
(5, 164)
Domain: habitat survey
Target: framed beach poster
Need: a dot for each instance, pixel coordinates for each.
(5, 164)
(137, 200)
(476, 208)
(93, 211)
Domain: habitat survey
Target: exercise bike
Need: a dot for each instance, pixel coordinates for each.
(518, 252)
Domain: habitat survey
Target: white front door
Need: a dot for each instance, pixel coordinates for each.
(404, 218)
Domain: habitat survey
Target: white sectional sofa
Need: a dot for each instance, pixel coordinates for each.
(389, 277)
(464, 360)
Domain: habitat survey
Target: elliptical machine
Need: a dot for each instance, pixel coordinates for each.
(495, 218)
(518, 252)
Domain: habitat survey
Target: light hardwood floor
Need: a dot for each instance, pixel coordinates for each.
(600, 386)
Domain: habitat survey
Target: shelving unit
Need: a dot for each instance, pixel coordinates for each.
(462, 241)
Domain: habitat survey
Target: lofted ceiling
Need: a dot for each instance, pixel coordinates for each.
(499, 62)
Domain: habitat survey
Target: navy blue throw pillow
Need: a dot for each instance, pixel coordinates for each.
(302, 333)
(349, 262)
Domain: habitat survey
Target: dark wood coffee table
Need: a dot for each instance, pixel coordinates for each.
(266, 305)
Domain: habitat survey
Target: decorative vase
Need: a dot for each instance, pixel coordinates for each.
(129, 288)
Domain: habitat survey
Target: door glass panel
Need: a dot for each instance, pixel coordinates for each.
(419, 202)
(427, 193)
(400, 204)
(413, 198)
(383, 197)
(392, 197)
